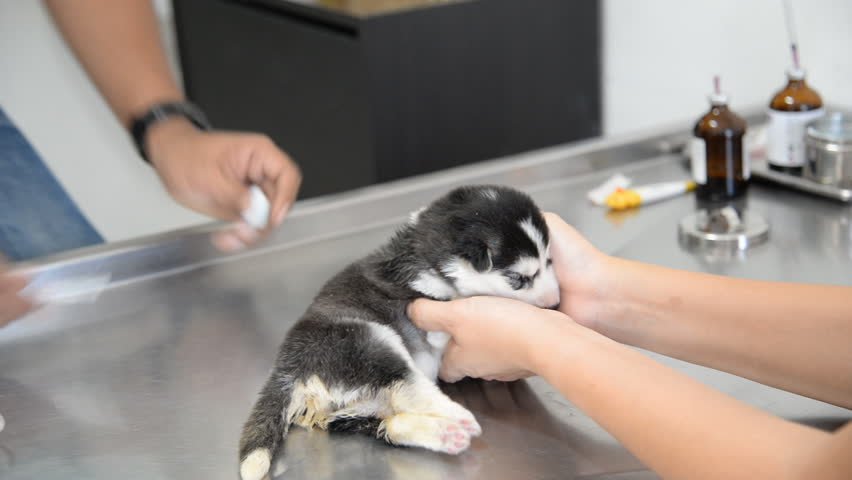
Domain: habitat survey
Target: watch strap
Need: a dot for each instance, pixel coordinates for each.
(162, 111)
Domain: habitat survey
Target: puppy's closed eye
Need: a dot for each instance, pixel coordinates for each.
(518, 281)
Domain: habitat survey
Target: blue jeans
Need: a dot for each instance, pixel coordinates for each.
(37, 217)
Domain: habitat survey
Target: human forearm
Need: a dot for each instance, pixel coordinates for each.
(118, 42)
(119, 45)
(791, 336)
(675, 425)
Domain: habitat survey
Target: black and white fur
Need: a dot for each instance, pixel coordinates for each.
(354, 362)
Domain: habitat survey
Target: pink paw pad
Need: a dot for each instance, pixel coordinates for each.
(471, 427)
(454, 439)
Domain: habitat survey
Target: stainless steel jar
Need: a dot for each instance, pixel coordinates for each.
(829, 150)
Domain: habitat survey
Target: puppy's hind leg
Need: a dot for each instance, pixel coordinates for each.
(425, 417)
(414, 411)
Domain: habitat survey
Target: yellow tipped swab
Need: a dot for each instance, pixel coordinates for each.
(623, 199)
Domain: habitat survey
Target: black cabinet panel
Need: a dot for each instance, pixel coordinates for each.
(359, 100)
(297, 82)
(476, 80)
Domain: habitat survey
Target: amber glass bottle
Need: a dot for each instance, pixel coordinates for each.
(720, 164)
(790, 110)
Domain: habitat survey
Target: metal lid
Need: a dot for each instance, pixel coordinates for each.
(723, 229)
(835, 127)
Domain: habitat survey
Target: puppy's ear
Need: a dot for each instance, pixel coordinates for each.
(478, 254)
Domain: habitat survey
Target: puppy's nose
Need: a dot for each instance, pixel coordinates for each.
(550, 300)
(554, 307)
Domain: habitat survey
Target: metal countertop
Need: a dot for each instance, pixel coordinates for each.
(154, 379)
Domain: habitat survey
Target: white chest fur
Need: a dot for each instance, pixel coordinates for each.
(429, 362)
(431, 284)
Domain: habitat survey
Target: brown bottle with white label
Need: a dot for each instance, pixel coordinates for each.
(790, 110)
(720, 164)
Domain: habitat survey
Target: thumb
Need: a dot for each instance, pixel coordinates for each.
(566, 241)
(555, 222)
(430, 315)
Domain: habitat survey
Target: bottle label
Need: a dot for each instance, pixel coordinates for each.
(786, 136)
(698, 155)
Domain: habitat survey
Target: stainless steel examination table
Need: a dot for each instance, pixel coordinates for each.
(154, 377)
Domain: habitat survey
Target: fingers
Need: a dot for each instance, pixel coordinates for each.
(457, 364)
(571, 251)
(225, 207)
(258, 161)
(216, 199)
(12, 305)
(555, 223)
(10, 283)
(239, 235)
(227, 242)
(431, 315)
(285, 186)
(512, 376)
(235, 238)
(450, 364)
(449, 375)
(277, 175)
(551, 218)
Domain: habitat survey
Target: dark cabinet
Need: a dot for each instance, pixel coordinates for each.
(359, 98)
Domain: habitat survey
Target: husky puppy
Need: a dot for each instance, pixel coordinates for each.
(354, 362)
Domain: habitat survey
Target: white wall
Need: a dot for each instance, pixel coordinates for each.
(659, 57)
(50, 98)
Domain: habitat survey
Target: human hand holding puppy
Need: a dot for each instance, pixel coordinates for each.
(498, 338)
(493, 338)
(672, 312)
(679, 314)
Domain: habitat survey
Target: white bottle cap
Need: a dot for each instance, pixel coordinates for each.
(794, 73)
(718, 99)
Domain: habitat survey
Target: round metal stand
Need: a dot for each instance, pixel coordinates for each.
(723, 229)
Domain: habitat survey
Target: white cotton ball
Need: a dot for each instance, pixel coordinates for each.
(257, 214)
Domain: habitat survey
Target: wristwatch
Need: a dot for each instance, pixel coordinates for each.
(159, 112)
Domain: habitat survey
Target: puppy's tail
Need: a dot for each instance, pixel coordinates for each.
(264, 431)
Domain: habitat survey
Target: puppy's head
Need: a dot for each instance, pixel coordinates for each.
(488, 240)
